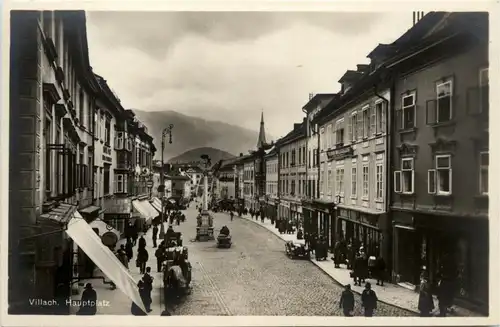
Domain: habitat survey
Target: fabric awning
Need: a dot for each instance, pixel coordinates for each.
(145, 209)
(156, 204)
(83, 235)
(90, 210)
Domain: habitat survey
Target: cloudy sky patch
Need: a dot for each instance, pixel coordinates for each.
(230, 66)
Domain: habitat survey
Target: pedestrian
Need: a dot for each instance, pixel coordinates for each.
(232, 215)
(337, 255)
(135, 309)
(380, 270)
(347, 301)
(129, 249)
(88, 302)
(142, 258)
(142, 242)
(148, 287)
(445, 296)
(369, 300)
(121, 254)
(425, 300)
(160, 256)
(155, 235)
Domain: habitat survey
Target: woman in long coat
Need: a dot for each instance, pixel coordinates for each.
(425, 300)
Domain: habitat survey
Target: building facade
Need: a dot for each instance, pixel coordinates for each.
(62, 130)
(353, 149)
(272, 183)
(312, 205)
(440, 217)
(52, 99)
(292, 174)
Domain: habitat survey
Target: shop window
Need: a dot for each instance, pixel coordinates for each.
(380, 108)
(408, 111)
(404, 179)
(484, 162)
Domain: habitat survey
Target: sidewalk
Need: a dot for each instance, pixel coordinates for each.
(389, 293)
(119, 303)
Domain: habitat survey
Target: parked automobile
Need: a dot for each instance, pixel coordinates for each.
(295, 250)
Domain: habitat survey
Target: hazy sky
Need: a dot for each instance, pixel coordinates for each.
(230, 66)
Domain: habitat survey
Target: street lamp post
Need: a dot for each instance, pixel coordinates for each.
(165, 132)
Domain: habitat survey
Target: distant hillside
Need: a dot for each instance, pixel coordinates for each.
(192, 132)
(195, 155)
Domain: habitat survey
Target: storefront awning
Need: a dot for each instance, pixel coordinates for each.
(83, 235)
(90, 210)
(156, 204)
(145, 209)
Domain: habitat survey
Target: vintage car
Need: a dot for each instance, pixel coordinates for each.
(224, 241)
(176, 271)
(171, 237)
(297, 250)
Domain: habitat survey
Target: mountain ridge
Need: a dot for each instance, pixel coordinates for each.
(195, 155)
(191, 132)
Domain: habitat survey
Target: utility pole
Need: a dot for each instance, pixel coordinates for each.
(165, 132)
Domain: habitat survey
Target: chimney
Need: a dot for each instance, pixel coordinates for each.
(417, 16)
(241, 154)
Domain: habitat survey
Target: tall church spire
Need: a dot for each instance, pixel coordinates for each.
(262, 133)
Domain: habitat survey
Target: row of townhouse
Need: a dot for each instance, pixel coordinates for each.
(397, 161)
(74, 152)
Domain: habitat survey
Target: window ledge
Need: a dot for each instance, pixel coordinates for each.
(443, 124)
(408, 130)
(365, 199)
(443, 195)
(406, 193)
(354, 197)
(379, 200)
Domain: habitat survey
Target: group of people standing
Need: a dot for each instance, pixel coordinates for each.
(368, 301)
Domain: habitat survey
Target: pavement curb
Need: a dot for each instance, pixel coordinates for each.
(325, 272)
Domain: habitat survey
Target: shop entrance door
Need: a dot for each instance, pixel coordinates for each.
(408, 256)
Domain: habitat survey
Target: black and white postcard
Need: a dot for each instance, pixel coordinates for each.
(231, 165)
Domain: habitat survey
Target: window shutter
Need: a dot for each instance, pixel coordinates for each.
(373, 120)
(431, 114)
(349, 129)
(383, 118)
(398, 124)
(431, 181)
(451, 179)
(360, 125)
(412, 181)
(397, 182)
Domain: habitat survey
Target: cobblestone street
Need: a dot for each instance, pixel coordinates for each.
(255, 277)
